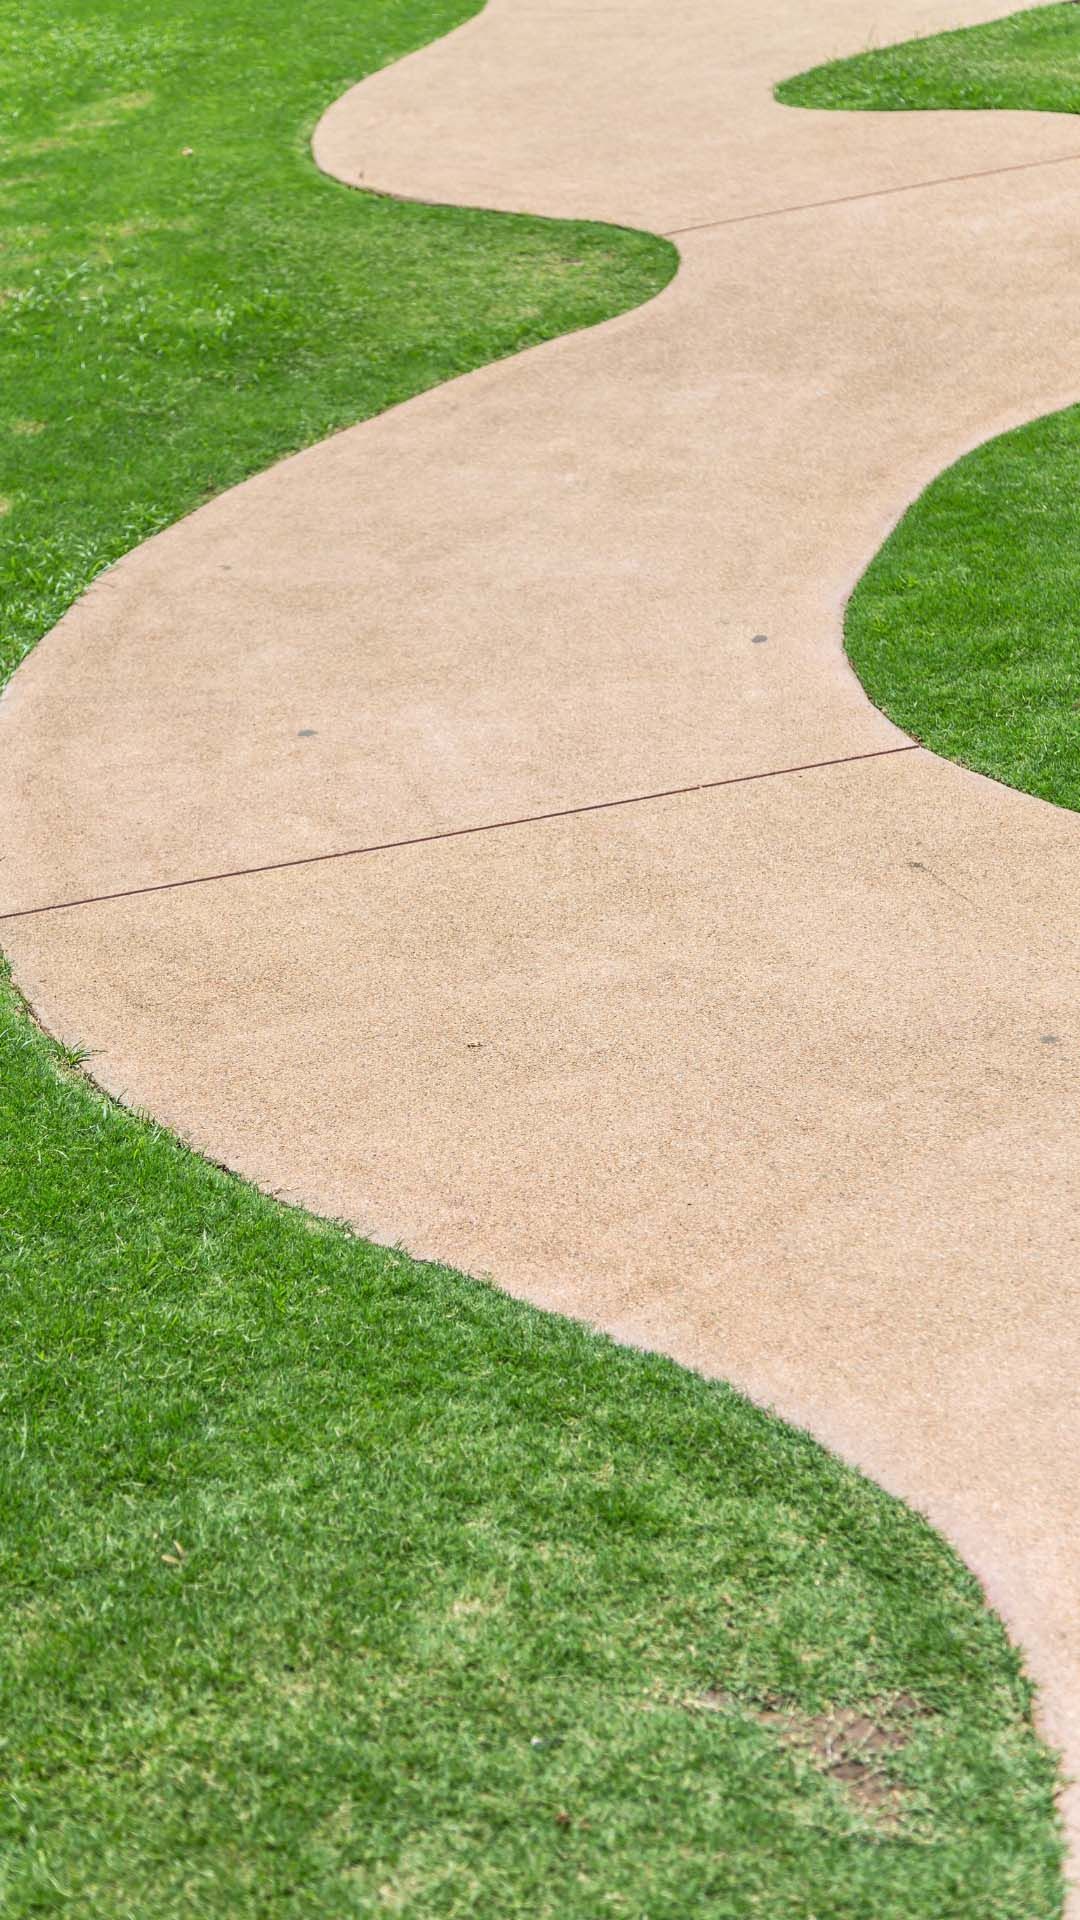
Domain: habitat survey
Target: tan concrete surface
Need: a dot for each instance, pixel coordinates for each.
(780, 1078)
(657, 117)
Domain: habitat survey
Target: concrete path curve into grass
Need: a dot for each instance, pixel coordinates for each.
(483, 839)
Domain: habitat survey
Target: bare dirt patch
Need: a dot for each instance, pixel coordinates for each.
(851, 1745)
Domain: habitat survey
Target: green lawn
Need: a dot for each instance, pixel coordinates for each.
(964, 628)
(337, 1585)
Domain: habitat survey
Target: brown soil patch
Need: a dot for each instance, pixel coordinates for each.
(851, 1745)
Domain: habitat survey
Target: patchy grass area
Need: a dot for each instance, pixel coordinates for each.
(964, 627)
(337, 1585)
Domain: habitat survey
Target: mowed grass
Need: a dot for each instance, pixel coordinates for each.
(964, 628)
(335, 1584)
(185, 298)
(340, 1585)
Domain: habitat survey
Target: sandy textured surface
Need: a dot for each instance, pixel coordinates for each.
(779, 1077)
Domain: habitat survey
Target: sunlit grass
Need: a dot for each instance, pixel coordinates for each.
(336, 1584)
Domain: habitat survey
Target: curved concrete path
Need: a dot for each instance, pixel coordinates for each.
(779, 1076)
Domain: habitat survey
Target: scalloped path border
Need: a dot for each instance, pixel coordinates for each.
(778, 1075)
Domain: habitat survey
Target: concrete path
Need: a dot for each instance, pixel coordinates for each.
(779, 1076)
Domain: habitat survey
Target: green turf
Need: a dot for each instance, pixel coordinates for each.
(336, 1585)
(174, 320)
(964, 627)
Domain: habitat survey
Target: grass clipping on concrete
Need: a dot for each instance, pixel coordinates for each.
(964, 627)
(335, 1584)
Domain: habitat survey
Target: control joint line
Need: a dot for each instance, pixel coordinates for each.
(875, 193)
(452, 833)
